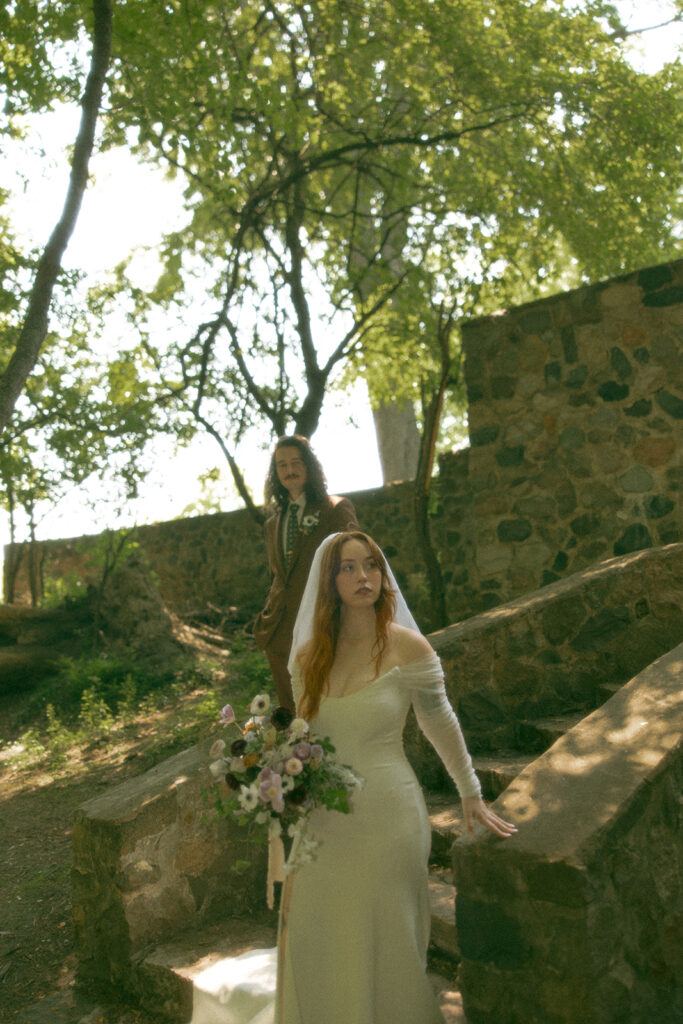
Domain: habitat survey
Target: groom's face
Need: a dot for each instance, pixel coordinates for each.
(291, 471)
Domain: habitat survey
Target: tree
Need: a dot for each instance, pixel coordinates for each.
(327, 144)
(35, 326)
(347, 162)
(78, 417)
(76, 421)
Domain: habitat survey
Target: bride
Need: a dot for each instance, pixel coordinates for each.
(354, 922)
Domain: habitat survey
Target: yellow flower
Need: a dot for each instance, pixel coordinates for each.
(250, 760)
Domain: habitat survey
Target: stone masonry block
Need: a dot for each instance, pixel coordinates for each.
(595, 873)
(150, 862)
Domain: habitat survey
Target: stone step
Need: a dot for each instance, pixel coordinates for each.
(537, 735)
(164, 974)
(443, 936)
(445, 816)
(496, 773)
(449, 997)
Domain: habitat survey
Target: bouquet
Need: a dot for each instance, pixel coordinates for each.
(275, 773)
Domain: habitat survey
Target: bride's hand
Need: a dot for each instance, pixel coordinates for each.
(475, 809)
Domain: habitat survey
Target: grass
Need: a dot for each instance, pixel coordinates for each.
(90, 702)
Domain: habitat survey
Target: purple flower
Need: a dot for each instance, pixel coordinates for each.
(317, 752)
(237, 747)
(270, 792)
(302, 751)
(227, 715)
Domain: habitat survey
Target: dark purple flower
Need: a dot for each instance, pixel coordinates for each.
(282, 718)
(237, 747)
(232, 781)
(296, 796)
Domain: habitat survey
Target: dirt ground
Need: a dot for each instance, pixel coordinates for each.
(37, 961)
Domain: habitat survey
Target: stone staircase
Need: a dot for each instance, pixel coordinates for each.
(165, 973)
(445, 814)
(520, 676)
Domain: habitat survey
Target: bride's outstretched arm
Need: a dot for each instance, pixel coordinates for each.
(440, 725)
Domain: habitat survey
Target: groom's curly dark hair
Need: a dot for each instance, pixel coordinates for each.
(316, 485)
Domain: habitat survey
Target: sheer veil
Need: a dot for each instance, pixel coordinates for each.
(303, 627)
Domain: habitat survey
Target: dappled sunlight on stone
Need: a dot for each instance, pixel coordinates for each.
(627, 733)
(593, 875)
(567, 763)
(561, 648)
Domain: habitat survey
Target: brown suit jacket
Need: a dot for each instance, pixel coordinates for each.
(274, 625)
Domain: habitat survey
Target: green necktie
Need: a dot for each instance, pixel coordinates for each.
(292, 528)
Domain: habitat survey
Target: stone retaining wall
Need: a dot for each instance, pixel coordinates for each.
(149, 863)
(578, 918)
(576, 433)
(553, 651)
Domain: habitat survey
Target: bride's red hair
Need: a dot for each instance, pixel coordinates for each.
(315, 659)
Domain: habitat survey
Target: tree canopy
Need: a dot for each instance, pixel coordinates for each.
(352, 169)
(337, 154)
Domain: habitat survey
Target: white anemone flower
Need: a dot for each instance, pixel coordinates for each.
(259, 704)
(248, 798)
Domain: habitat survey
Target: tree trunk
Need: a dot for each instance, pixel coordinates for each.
(432, 406)
(34, 328)
(15, 553)
(398, 441)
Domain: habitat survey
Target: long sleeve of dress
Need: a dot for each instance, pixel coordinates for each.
(439, 723)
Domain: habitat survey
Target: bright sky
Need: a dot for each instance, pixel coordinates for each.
(128, 207)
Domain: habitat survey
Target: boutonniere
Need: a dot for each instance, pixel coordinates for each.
(309, 523)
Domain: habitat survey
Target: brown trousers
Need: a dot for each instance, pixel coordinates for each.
(278, 655)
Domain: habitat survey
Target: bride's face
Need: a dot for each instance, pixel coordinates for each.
(359, 579)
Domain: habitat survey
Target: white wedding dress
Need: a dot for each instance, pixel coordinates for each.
(353, 938)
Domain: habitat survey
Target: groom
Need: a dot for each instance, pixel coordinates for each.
(304, 514)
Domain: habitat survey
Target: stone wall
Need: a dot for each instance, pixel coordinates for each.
(575, 422)
(221, 559)
(149, 863)
(578, 917)
(554, 651)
